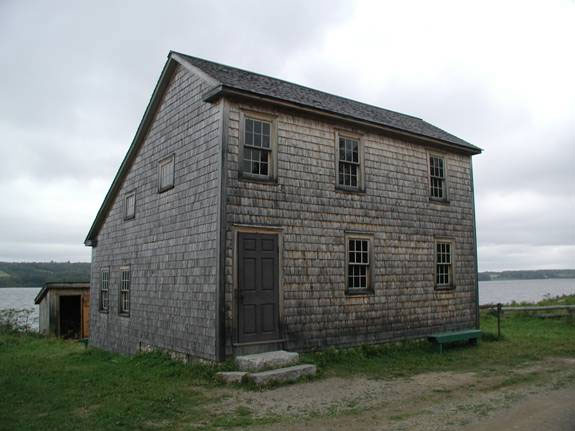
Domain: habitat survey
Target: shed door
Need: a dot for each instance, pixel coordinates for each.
(258, 287)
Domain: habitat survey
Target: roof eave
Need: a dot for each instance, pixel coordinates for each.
(221, 90)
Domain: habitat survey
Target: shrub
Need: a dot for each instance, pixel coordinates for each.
(16, 320)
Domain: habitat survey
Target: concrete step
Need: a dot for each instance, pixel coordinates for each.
(231, 376)
(266, 361)
(281, 375)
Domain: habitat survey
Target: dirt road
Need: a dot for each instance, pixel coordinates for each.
(540, 397)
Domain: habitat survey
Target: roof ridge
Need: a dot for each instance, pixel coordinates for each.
(299, 85)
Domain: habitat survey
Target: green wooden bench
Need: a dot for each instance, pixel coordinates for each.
(439, 339)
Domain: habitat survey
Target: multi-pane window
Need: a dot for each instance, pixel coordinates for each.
(130, 206)
(257, 147)
(166, 174)
(125, 291)
(105, 290)
(349, 166)
(358, 264)
(443, 264)
(437, 177)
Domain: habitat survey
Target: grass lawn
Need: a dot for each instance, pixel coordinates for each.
(51, 384)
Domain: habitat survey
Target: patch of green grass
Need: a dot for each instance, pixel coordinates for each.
(52, 384)
(524, 339)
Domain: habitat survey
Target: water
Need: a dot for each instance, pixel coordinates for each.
(506, 291)
(490, 292)
(20, 297)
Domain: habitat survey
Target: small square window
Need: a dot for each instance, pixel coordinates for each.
(166, 174)
(130, 206)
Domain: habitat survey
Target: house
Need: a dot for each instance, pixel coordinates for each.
(64, 309)
(251, 214)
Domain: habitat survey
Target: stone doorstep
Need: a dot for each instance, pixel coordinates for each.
(280, 375)
(288, 374)
(231, 376)
(267, 360)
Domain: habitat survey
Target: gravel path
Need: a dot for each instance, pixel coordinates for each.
(534, 398)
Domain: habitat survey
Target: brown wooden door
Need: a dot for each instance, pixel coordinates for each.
(86, 314)
(258, 287)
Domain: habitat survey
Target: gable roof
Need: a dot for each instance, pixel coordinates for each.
(244, 81)
(227, 80)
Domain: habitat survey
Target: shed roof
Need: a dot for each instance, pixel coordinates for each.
(59, 285)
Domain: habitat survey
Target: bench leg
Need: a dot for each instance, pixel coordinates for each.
(474, 341)
(438, 347)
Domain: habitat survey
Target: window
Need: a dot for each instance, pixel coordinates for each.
(130, 206)
(104, 290)
(166, 174)
(257, 148)
(125, 291)
(358, 264)
(443, 265)
(349, 161)
(437, 178)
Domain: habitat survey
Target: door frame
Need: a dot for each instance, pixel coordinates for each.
(267, 230)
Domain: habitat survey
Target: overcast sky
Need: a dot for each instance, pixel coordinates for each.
(75, 78)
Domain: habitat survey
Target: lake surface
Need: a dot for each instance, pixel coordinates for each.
(506, 291)
(490, 292)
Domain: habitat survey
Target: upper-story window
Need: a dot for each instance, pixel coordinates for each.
(257, 146)
(437, 184)
(104, 290)
(166, 174)
(444, 265)
(349, 163)
(130, 206)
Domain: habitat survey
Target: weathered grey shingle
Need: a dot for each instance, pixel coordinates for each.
(276, 88)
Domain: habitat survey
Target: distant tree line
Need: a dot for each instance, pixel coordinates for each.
(28, 274)
(537, 274)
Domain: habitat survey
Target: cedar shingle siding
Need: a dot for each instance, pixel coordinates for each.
(180, 264)
(171, 243)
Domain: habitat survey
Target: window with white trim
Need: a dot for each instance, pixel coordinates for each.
(105, 290)
(358, 258)
(130, 206)
(257, 151)
(125, 281)
(166, 174)
(349, 163)
(437, 178)
(443, 264)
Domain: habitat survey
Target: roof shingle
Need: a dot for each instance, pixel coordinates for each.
(279, 89)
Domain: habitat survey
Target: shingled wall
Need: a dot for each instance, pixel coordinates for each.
(171, 244)
(314, 217)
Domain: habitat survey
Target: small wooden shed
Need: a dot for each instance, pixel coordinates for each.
(64, 309)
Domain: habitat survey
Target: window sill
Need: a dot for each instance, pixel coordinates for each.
(444, 288)
(439, 201)
(104, 311)
(257, 179)
(165, 189)
(354, 190)
(129, 218)
(359, 292)
(124, 314)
